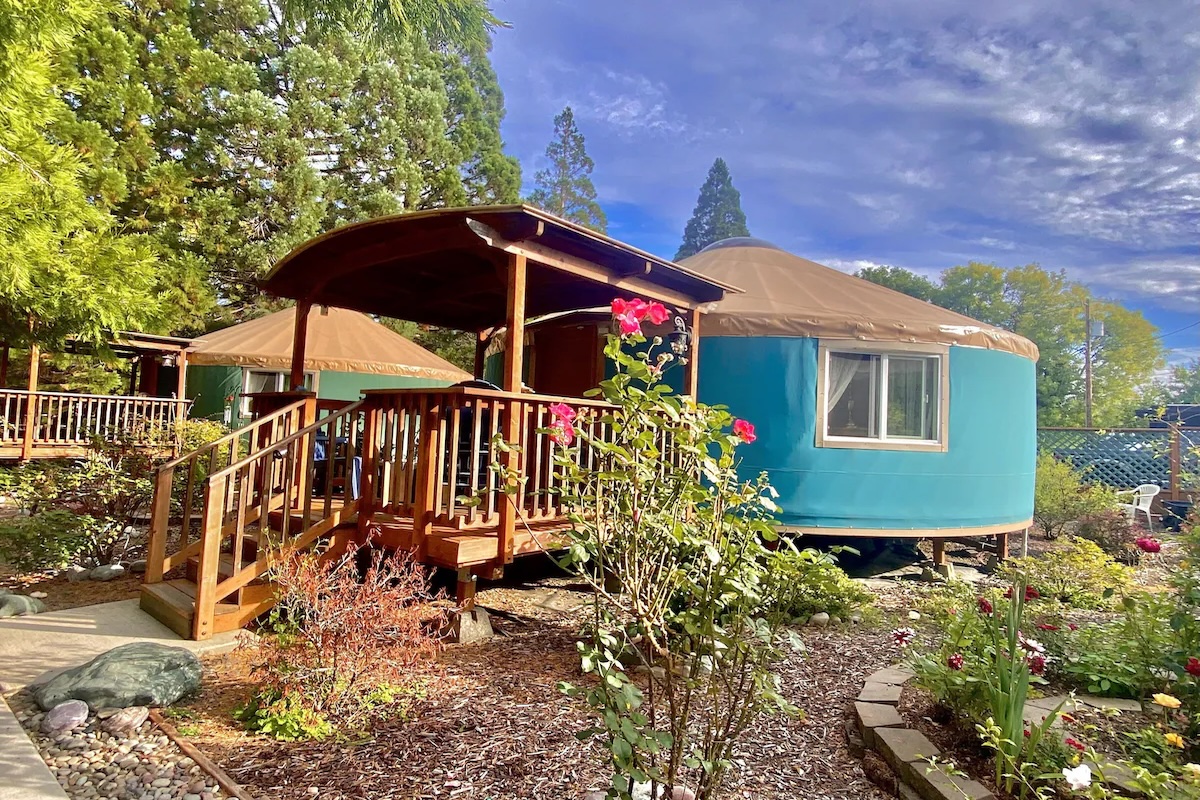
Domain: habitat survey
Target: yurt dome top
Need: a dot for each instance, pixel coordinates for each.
(338, 340)
(786, 295)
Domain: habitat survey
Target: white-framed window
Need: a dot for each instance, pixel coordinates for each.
(255, 381)
(883, 396)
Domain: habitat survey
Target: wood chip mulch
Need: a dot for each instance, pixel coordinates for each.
(494, 726)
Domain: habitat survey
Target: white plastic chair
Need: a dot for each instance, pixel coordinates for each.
(1143, 498)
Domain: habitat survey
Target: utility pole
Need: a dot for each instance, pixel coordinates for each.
(1087, 363)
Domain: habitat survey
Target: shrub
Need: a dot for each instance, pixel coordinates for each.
(1127, 657)
(1076, 572)
(1060, 496)
(672, 543)
(85, 508)
(345, 645)
(1113, 533)
(802, 582)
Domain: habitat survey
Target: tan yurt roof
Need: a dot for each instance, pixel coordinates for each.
(338, 339)
(786, 295)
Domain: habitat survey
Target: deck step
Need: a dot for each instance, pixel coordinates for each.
(173, 603)
(224, 568)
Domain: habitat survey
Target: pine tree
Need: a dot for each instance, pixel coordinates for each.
(66, 267)
(229, 141)
(718, 214)
(565, 187)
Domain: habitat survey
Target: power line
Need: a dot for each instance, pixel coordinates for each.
(1180, 330)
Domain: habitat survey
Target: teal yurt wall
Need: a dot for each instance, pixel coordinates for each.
(346, 352)
(766, 353)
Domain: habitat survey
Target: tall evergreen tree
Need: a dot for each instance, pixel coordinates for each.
(66, 267)
(718, 214)
(229, 139)
(565, 187)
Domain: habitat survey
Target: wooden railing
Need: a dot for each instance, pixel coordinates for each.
(297, 485)
(429, 454)
(61, 423)
(180, 486)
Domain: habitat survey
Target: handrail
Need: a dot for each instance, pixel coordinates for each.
(282, 443)
(82, 396)
(242, 431)
(491, 394)
(1169, 426)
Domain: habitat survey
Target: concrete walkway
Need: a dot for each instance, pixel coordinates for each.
(37, 647)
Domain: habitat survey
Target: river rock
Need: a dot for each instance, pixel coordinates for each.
(137, 674)
(65, 716)
(126, 721)
(107, 572)
(18, 605)
(137, 567)
(819, 619)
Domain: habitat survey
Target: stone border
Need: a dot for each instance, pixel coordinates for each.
(882, 730)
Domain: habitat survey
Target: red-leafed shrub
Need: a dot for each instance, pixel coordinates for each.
(347, 644)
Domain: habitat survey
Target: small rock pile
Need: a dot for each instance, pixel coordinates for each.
(114, 753)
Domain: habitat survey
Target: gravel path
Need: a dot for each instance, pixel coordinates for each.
(92, 763)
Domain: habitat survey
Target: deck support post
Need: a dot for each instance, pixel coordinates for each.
(299, 341)
(464, 590)
(939, 552)
(370, 465)
(514, 409)
(1001, 546)
(31, 403)
(691, 377)
(481, 344)
(205, 611)
(428, 478)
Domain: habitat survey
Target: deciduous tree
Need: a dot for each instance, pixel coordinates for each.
(1047, 308)
(718, 214)
(565, 187)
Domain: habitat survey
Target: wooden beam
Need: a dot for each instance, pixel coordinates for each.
(181, 362)
(691, 380)
(299, 342)
(581, 267)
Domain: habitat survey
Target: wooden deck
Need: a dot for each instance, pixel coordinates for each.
(35, 425)
(392, 470)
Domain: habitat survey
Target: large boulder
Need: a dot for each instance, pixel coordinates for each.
(138, 674)
(18, 605)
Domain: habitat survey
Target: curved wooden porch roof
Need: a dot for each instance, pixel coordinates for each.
(448, 267)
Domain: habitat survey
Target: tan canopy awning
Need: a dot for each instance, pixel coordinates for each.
(786, 295)
(338, 339)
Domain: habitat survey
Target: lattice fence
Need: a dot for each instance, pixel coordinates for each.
(1126, 457)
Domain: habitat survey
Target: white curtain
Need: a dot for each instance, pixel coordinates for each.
(841, 373)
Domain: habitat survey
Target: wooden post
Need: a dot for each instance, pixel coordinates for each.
(369, 450)
(181, 380)
(308, 415)
(691, 380)
(481, 343)
(428, 479)
(31, 409)
(464, 594)
(210, 555)
(1001, 546)
(160, 514)
(299, 341)
(514, 409)
(939, 552)
(1176, 491)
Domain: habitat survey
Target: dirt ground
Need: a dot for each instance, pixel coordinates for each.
(61, 594)
(495, 726)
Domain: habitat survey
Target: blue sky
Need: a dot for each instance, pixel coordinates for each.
(916, 133)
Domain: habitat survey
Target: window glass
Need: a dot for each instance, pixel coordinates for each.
(853, 408)
(262, 382)
(883, 396)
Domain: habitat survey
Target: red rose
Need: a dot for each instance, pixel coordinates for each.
(985, 605)
(1193, 666)
(744, 431)
(955, 662)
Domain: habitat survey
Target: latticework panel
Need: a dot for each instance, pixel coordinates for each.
(1122, 459)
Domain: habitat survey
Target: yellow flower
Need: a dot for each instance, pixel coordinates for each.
(1174, 739)
(1166, 701)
